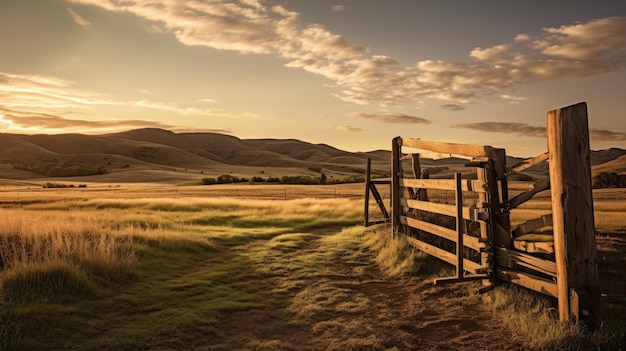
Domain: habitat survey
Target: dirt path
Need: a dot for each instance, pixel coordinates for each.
(346, 303)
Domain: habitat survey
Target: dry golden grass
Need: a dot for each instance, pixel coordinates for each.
(197, 259)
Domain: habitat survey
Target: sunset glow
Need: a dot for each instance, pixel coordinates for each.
(352, 74)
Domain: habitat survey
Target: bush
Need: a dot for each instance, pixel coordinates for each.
(209, 181)
(609, 180)
(299, 180)
(224, 179)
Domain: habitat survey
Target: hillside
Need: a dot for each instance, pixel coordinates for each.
(144, 154)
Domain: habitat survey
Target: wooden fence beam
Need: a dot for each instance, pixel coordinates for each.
(396, 175)
(527, 163)
(466, 150)
(476, 186)
(366, 202)
(572, 212)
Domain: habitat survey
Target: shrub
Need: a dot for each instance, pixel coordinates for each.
(609, 180)
(209, 181)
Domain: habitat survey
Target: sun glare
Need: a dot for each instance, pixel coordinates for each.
(8, 122)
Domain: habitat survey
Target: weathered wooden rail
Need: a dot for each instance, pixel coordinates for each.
(475, 233)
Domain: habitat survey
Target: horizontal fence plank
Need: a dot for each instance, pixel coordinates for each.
(529, 281)
(527, 163)
(468, 240)
(444, 184)
(532, 225)
(515, 259)
(443, 255)
(538, 187)
(467, 150)
(471, 214)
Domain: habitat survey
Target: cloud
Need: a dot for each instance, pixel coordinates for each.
(78, 19)
(525, 130)
(452, 107)
(47, 93)
(512, 99)
(520, 129)
(606, 135)
(351, 129)
(338, 8)
(30, 121)
(250, 26)
(399, 118)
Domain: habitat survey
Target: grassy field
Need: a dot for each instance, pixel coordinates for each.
(151, 267)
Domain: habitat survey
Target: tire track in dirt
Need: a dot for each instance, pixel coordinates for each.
(344, 302)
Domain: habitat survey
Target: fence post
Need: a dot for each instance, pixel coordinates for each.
(459, 225)
(572, 213)
(366, 203)
(396, 173)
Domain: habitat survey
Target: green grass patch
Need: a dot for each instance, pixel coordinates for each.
(170, 274)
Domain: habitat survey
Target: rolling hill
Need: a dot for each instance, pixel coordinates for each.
(131, 155)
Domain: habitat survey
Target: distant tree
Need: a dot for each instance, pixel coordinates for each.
(323, 178)
(209, 181)
(609, 180)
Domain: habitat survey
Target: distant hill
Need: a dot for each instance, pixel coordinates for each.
(145, 154)
(617, 165)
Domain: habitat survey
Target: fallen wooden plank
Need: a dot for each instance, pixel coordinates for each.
(529, 281)
(507, 258)
(532, 225)
(529, 243)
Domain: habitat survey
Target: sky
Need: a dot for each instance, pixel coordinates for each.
(352, 74)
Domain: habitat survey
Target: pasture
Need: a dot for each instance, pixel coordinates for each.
(251, 267)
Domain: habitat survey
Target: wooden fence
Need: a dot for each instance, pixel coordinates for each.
(475, 234)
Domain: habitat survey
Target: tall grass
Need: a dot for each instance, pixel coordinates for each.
(191, 261)
(42, 256)
(395, 256)
(534, 320)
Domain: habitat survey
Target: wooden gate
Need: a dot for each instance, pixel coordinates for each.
(465, 221)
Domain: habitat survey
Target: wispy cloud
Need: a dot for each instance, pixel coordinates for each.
(338, 8)
(512, 99)
(253, 26)
(520, 129)
(47, 93)
(32, 121)
(348, 128)
(78, 19)
(390, 118)
(452, 107)
(525, 130)
(606, 135)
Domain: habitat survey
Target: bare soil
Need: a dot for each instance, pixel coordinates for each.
(402, 313)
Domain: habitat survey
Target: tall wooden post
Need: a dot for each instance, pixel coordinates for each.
(366, 202)
(396, 174)
(572, 213)
(458, 192)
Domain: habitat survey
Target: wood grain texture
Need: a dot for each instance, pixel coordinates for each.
(572, 208)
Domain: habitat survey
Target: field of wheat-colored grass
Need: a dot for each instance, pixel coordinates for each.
(159, 267)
